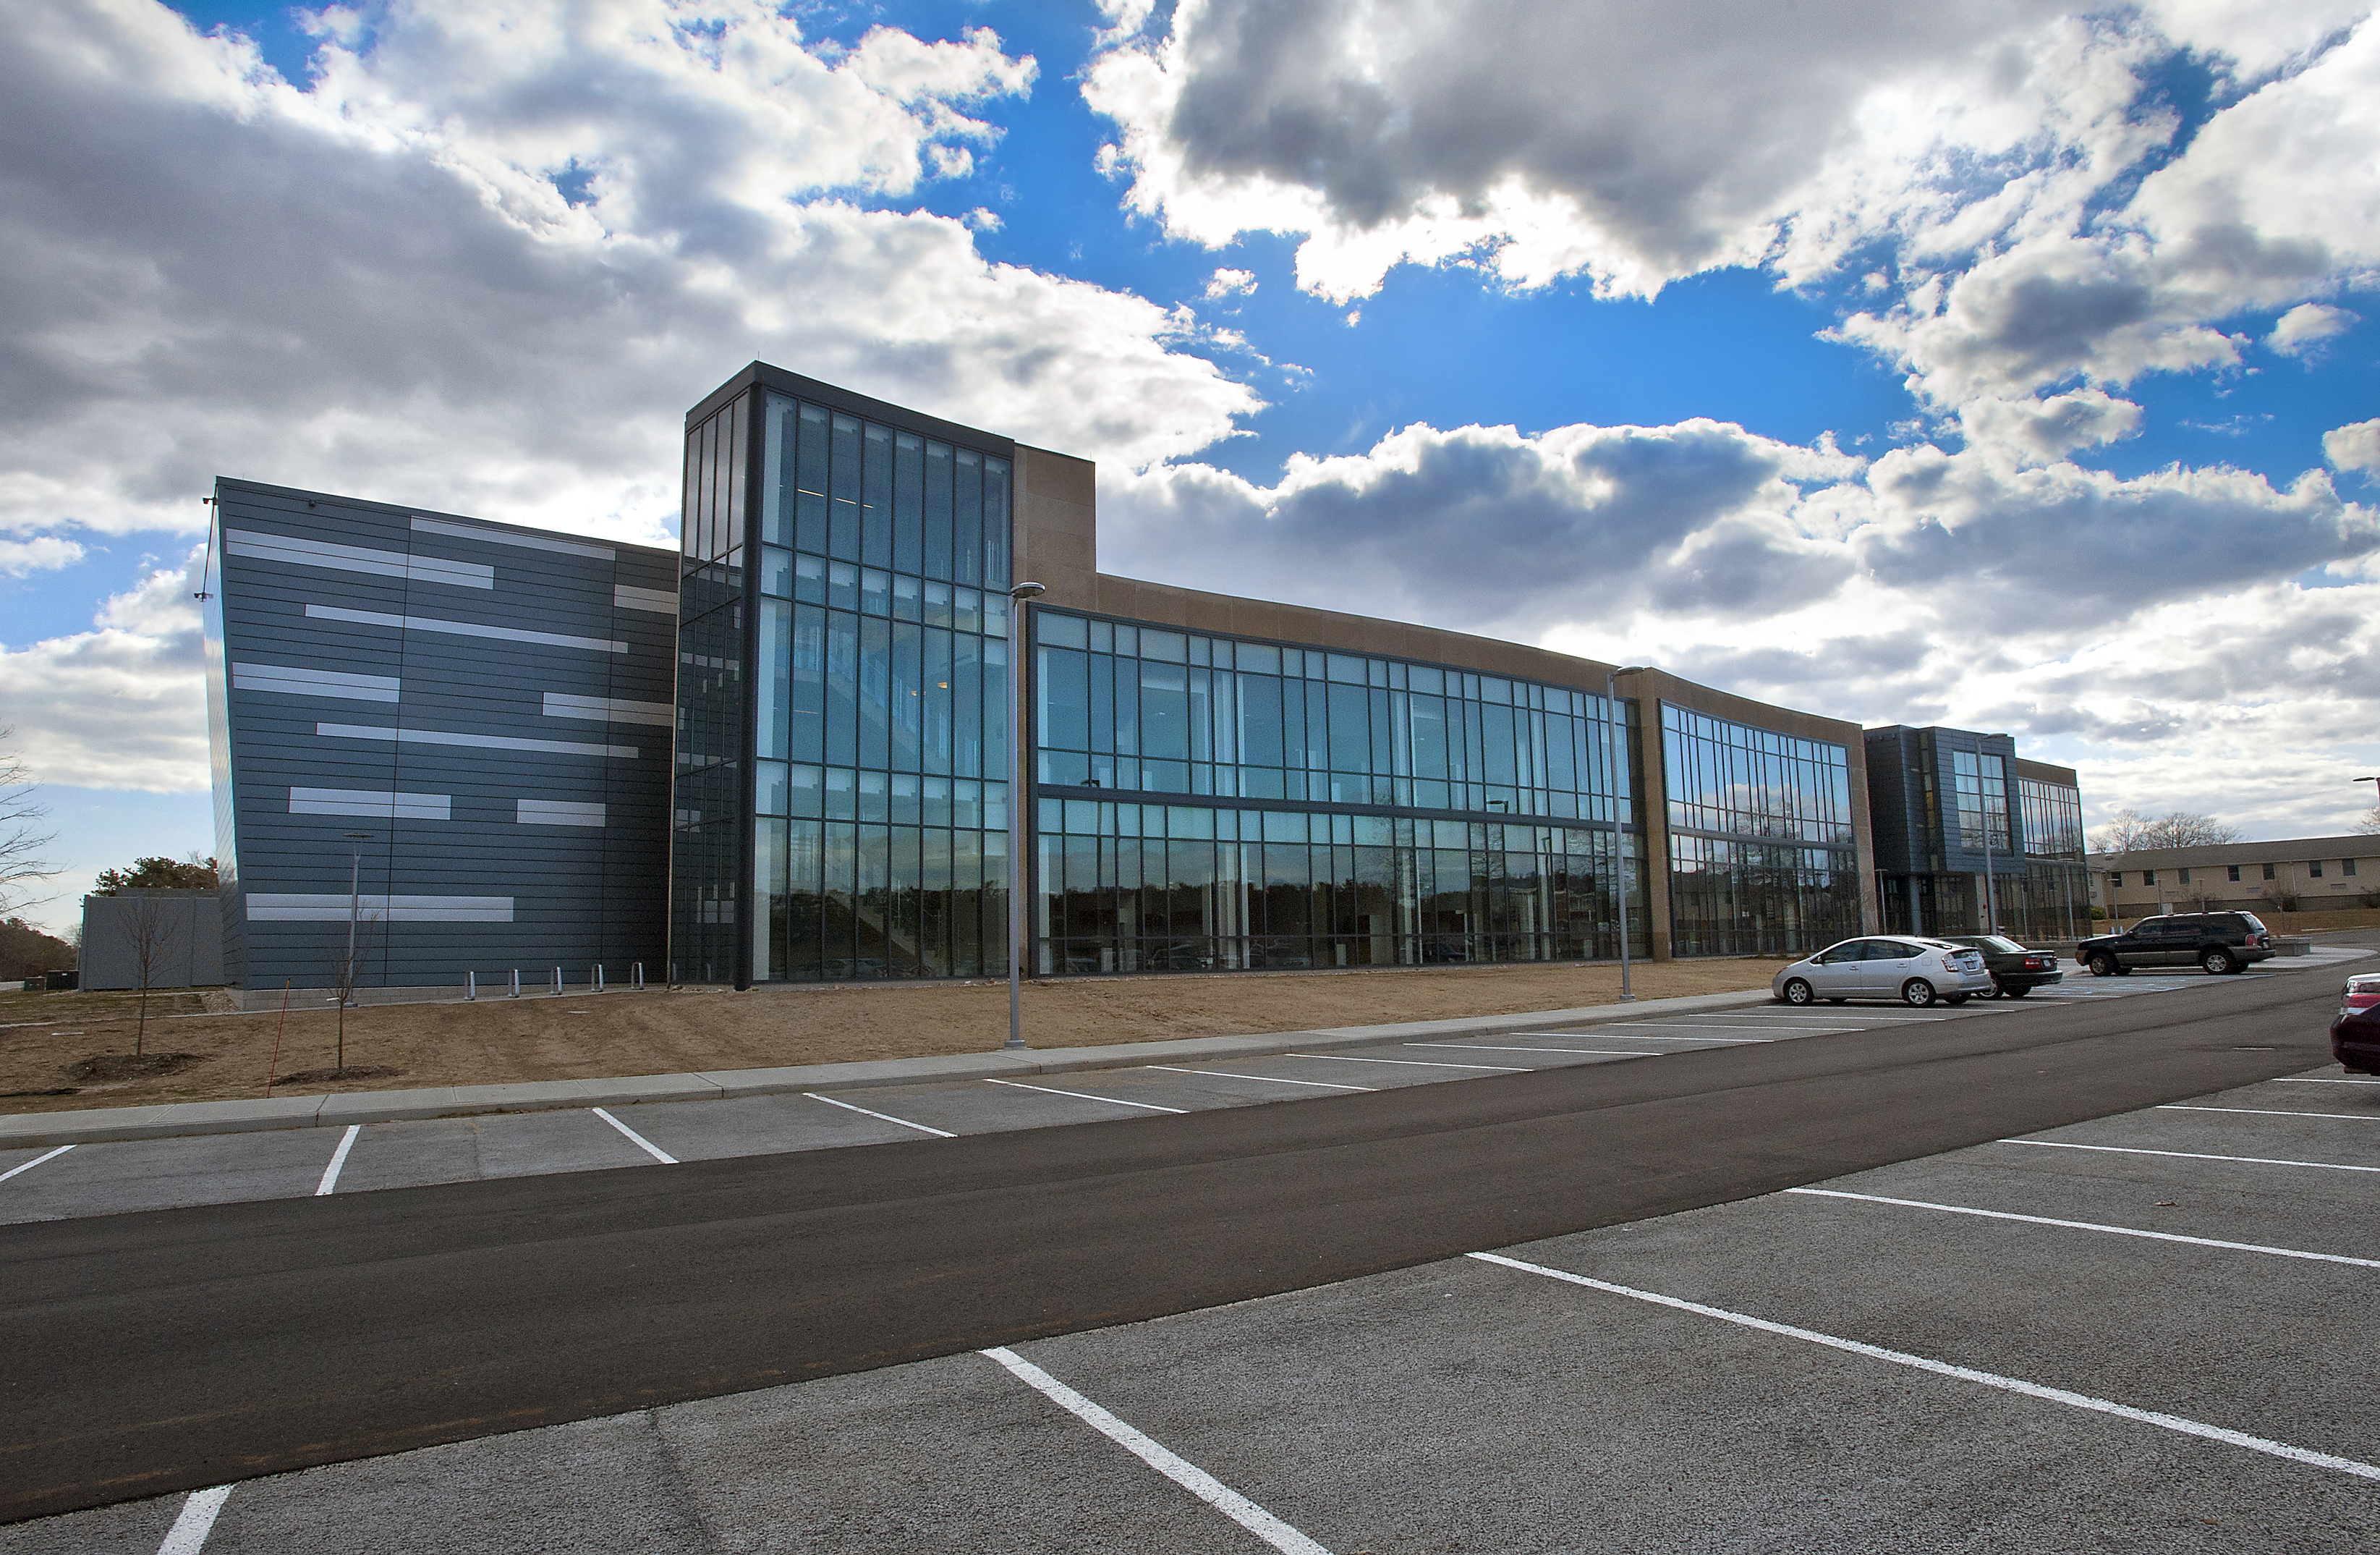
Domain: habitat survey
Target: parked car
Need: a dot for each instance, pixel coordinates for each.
(1907, 967)
(2015, 970)
(2219, 941)
(2355, 1032)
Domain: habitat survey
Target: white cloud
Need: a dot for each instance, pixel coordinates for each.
(122, 706)
(2121, 621)
(2052, 427)
(2301, 329)
(2353, 447)
(1226, 283)
(380, 285)
(41, 553)
(2044, 219)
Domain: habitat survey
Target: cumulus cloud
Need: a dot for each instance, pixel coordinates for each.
(2051, 427)
(2301, 329)
(41, 553)
(1227, 283)
(2045, 215)
(124, 704)
(488, 255)
(2353, 447)
(2120, 619)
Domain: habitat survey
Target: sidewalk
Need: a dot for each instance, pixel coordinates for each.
(24, 1130)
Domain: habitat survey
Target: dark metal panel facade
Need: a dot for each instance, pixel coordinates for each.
(488, 706)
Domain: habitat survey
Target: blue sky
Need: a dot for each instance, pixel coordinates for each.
(2037, 343)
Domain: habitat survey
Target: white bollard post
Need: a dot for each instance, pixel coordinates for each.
(557, 982)
(599, 976)
(517, 982)
(471, 986)
(640, 976)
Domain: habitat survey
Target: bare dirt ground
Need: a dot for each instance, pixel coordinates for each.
(46, 1036)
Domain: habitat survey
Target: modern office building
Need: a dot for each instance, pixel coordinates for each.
(1217, 783)
(446, 738)
(2294, 874)
(470, 717)
(1968, 833)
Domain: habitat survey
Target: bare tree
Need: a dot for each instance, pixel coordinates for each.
(152, 927)
(22, 840)
(2368, 823)
(2127, 830)
(348, 968)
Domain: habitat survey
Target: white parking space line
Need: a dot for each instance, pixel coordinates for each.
(1269, 1079)
(1189, 1476)
(1417, 1062)
(1965, 1374)
(1491, 1048)
(189, 1533)
(2187, 1155)
(1621, 1028)
(2285, 1079)
(881, 1117)
(2092, 1225)
(28, 1166)
(338, 1158)
(2271, 1112)
(638, 1140)
(1087, 1096)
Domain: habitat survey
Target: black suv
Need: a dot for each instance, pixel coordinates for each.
(2219, 942)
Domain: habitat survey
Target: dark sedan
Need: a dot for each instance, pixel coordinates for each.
(2015, 970)
(2355, 1032)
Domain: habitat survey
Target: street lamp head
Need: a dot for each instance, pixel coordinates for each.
(359, 837)
(1028, 592)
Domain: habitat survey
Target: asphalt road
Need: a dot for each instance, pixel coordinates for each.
(189, 1347)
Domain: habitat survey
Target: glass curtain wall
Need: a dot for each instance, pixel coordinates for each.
(708, 797)
(2052, 899)
(880, 719)
(1981, 784)
(1761, 853)
(1192, 883)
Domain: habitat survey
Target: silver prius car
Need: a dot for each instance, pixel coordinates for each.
(1904, 967)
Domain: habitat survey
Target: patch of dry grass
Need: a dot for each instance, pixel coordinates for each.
(596, 1035)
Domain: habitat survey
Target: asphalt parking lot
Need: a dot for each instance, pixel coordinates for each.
(124, 1177)
(2146, 1333)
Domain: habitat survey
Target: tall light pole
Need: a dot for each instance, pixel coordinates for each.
(1614, 724)
(1017, 755)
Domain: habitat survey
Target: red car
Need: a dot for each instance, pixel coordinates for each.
(2355, 1033)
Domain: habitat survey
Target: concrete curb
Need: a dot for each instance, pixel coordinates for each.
(97, 1125)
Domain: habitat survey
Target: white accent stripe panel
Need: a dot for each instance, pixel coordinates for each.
(610, 710)
(352, 558)
(372, 802)
(462, 628)
(475, 742)
(660, 601)
(332, 908)
(291, 681)
(558, 812)
(528, 542)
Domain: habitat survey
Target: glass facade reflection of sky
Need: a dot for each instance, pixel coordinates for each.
(1979, 783)
(1761, 851)
(1316, 810)
(880, 739)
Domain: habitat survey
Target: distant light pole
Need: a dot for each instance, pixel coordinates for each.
(1614, 724)
(1017, 759)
